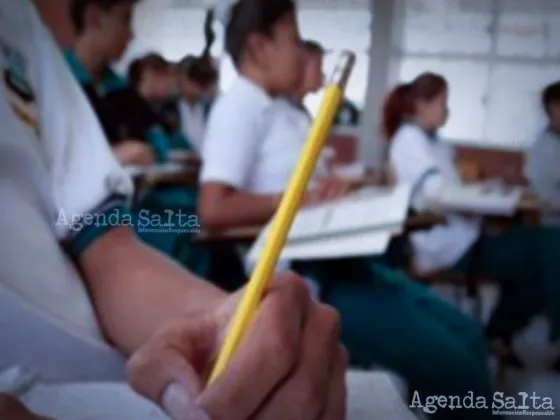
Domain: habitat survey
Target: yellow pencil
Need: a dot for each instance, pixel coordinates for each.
(286, 213)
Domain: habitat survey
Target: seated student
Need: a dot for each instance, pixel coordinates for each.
(523, 260)
(155, 80)
(542, 159)
(254, 137)
(197, 77)
(102, 35)
(103, 29)
(164, 320)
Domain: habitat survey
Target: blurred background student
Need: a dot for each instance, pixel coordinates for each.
(523, 260)
(103, 31)
(198, 79)
(543, 158)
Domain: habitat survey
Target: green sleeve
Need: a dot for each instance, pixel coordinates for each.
(113, 213)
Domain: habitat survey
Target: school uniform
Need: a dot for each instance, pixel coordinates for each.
(523, 260)
(125, 115)
(252, 143)
(542, 169)
(193, 121)
(55, 166)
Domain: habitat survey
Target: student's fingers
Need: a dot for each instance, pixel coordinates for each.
(304, 395)
(265, 358)
(336, 402)
(162, 369)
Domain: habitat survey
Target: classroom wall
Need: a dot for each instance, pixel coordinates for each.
(174, 29)
(497, 56)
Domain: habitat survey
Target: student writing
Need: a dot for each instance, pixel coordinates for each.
(254, 137)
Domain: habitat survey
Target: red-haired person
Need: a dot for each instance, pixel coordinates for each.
(523, 260)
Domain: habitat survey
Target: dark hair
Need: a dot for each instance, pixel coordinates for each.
(401, 102)
(313, 47)
(550, 95)
(152, 61)
(78, 10)
(201, 70)
(248, 17)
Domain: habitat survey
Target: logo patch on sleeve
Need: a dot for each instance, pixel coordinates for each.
(19, 92)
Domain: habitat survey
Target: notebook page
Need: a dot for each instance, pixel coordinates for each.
(481, 199)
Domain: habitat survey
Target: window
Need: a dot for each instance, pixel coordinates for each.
(497, 56)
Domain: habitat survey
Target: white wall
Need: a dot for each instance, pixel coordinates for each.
(162, 26)
(497, 56)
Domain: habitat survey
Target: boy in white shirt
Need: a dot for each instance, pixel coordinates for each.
(75, 277)
(253, 140)
(542, 165)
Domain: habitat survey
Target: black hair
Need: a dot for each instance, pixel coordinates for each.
(248, 17)
(313, 47)
(152, 61)
(550, 95)
(209, 34)
(201, 70)
(78, 10)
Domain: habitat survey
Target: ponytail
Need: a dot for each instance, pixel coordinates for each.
(209, 34)
(395, 110)
(401, 102)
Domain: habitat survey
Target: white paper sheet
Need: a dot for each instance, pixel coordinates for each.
(358, 225)
(480, 199)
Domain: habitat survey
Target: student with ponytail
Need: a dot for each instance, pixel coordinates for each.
(253, 136)
(523, 260)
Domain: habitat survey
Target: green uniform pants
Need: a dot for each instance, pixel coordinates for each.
(526, 263)
(388, 320)
(178, 245)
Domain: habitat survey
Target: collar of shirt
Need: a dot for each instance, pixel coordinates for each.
(299, 105)
(111, 81)
(431, 135)
(256, 90)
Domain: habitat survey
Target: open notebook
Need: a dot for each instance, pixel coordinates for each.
(482, 198)
(360, 224)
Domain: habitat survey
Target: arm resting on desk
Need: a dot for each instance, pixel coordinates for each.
(223, 207)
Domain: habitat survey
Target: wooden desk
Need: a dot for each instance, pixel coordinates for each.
(250, 233)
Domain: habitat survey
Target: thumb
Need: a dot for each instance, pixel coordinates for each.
(161, 371)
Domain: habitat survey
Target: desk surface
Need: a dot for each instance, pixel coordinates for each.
(250, 233)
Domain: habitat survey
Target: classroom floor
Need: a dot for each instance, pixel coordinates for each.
(534, 348)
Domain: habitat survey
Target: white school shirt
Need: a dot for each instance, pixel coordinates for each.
(54, 160)
(193, 122)
(426, 164)
(542, 169)
(254, 141)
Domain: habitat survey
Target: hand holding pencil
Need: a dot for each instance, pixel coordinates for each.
(279, 355)
(289, 366)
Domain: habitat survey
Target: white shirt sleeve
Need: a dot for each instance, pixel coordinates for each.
(414, 163)
(88, 182)
(233, 134)
(541, 168)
